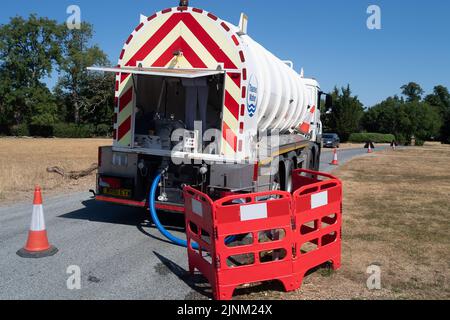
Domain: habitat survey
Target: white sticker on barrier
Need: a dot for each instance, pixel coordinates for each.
(254, 212)
(197, 207)
(319, 200)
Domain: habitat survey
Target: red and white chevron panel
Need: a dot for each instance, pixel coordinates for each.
(206, 41)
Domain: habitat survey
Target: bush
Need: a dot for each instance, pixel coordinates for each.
(103, 130)
(419, 143)
(20, 130)
(37, 130)
(374, 137)
(61, 130)
(70, 130)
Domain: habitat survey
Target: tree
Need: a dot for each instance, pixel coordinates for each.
(412, 91)
(83, 93)
(29, 50)
(440, 98)
(403, 119)
(344, 118)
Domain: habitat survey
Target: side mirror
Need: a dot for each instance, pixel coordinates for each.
(328, 102)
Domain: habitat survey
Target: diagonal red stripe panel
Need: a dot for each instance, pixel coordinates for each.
(236, 77)
(188, 53)
(123, 77)
(125, 99)
(124, 128)
(232, 105)
(155, 39)
(229, 136)
(208, 42)
(195, 27)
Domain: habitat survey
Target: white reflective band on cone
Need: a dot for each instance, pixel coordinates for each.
(37, 221)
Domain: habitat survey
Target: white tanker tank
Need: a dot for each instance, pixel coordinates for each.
(283, 94)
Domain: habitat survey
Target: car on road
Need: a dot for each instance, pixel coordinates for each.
(331, 140)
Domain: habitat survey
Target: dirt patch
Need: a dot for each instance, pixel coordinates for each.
(396, 216)
(24, 163)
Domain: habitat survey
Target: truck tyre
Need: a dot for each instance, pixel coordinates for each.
(317, 161)
(309, 163)
(283, 178)
(286, 181)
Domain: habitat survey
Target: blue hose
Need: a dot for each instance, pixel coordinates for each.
(160, 227)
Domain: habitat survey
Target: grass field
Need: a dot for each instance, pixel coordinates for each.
(396, 216)
(23, 164)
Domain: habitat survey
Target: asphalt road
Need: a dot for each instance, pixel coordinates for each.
(119, 254)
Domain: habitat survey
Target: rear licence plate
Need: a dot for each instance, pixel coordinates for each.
(123, 193)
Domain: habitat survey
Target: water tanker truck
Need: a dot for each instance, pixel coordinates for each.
(199, 100)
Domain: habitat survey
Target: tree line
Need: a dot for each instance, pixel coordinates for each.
(35, 49)
(411, 115)
(81, 104)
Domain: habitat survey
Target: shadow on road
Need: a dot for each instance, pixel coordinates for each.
(198, 283)
(101, 212)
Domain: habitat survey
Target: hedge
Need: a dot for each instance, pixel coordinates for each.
(62, 130)
(374, 137)
(70, 130)
(20, 130)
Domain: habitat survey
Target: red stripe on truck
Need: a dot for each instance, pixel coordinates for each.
(124, 128)
(231, 105)
(229, 136)
(125, 99)
(188, 53)
(195, 27)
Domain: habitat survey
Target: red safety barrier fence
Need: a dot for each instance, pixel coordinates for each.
(251, 238)
(317, 210)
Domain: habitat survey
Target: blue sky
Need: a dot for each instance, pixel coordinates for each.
(328, 38)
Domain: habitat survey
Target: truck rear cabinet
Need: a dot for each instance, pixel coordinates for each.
(165, 104)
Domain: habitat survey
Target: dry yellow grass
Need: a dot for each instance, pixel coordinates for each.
(23, 164)
(397, 216)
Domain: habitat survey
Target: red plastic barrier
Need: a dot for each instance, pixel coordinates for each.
(252, 238)
(317, 208)
(264, 222)
(200, 229)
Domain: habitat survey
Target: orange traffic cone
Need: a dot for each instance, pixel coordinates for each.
(37, 245)
(335, 159)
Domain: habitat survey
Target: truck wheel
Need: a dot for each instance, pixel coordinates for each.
(309, 163)
(286, 183)
(283, 179)
(317, 161)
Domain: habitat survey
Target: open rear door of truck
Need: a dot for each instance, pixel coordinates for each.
(164, 72)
